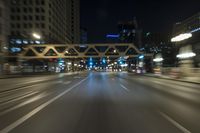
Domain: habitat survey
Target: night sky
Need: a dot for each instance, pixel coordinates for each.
(100, 17)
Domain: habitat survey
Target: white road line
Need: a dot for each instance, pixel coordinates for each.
(34, 81)
(19, 98)
(126, 89)
(36, 110)
(179, 126)
(40, 96)
(66, 83)
(20, 88)
(23, 88)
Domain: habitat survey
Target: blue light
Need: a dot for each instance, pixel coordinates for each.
(141, 57)
(60, 63)
(91, 63)
(15, 50)
(112, 36)
(104, 61)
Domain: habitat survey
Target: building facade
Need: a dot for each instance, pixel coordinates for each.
(55, 21)
(189, 26)
(75, 21)
(4, 31)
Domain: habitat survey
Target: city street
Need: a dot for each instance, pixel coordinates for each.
(98, 102)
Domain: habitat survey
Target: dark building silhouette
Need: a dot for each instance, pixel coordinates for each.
(129, 32)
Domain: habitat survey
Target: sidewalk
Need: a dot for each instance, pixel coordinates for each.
(194, 80)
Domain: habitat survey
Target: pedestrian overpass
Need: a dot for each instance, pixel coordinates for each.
(75, 57)
(74, 51)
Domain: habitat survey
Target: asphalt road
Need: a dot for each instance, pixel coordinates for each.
(100, 103)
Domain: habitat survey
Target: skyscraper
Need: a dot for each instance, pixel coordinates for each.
(4, 25)
(75, 21)
(4, 31)
(55, 21)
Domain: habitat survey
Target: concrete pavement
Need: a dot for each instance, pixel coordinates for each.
(102, 103)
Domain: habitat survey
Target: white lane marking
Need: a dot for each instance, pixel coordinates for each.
(36, 110)
(25, 87)
(66, 83)
(63, 82)
(19, 98)
(158, 82)
(77, 77)
(20, 88)
(40, 96)
(126, 89)
(179, 126)
(34, 81)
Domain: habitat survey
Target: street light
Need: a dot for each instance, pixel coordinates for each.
(37, 36)
(69, 63)
(158, 59)
(186, 55)
(67, 51)
(181, 37)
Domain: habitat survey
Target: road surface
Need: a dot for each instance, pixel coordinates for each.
(99, 103)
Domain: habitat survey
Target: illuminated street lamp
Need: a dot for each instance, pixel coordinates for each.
(186, 55)
(181, 37)
(69, 63)
(36, 36)
(158, 59)
(67, 51)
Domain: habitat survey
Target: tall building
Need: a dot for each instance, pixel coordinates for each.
(4, 25)
(55, 21)
(129, 32)
(4, 31)
(75, 21)
(189, 26)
